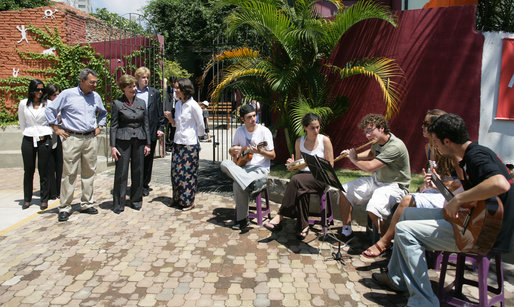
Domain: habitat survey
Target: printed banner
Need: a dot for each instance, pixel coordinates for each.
(506, 98)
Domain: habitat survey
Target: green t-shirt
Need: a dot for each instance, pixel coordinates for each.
(395, 156)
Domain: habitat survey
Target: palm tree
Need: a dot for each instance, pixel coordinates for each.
(292, 74)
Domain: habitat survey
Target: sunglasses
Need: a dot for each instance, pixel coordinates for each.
(39, 89)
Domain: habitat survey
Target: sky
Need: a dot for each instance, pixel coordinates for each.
(120, 7)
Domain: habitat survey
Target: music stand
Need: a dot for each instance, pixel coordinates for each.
(324, 172)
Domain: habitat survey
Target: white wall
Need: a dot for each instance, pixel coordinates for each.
(413, 4)
(495, 134)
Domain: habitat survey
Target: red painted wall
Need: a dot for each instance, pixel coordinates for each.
(441, 54)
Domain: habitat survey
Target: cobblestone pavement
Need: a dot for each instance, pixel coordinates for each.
(163, 256)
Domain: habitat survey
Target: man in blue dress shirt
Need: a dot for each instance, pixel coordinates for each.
(82, 113)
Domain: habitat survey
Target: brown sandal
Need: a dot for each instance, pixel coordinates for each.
(370, 254)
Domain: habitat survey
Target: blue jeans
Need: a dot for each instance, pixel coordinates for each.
(419, 229)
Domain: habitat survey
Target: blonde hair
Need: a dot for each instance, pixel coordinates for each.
(126, 80)
(142, 71)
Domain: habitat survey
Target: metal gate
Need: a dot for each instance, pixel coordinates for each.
(225, 114)
(223, 118)
(127, 49)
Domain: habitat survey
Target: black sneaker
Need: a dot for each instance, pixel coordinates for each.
(240, 225)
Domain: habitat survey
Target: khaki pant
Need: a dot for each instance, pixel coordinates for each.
(78, 149)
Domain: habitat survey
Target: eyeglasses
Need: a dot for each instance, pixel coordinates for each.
(369, 130)
(92, 82)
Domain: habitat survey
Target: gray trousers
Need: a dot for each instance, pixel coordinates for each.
(243, 177)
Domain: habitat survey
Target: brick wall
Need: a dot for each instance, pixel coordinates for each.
(74, 27)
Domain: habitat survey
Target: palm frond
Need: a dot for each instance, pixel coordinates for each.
(382, 70)
(299, 108)
(233, 74)
(237, 54)
(362, 10)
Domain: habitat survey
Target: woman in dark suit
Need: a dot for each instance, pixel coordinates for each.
(130, 141)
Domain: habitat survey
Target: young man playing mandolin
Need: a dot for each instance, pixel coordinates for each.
(485, 176)
(252, 149)
(388, 160)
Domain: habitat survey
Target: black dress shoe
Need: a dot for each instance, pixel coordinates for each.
(240, 225)
(146, 191)
(25, 205)
(383, 279)
(89, 210)
(63, 216)
(44, 205)
(136, 206)
(118, 209)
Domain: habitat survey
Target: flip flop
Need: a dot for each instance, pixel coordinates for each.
(370, 254)
(302, 235)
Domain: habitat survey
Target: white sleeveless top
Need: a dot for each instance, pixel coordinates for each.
(318, 151)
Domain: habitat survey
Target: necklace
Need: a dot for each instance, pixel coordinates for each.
(125, 99)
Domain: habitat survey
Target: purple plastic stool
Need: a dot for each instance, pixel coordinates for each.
(259, 212)
(324, 199)
(483, 263)
(438, 255)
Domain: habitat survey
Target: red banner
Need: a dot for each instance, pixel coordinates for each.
(506, 98)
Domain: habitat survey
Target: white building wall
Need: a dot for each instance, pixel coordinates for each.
(495, 134)
(83, 5)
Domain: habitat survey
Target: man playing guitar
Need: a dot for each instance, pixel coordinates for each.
(251, 178)
(485, 176)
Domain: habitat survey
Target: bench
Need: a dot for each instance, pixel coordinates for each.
(220, 111)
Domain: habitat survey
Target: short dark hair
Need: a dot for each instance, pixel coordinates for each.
(308, 118)
(51, 89)
(245, 109)
(172, 80)
(186, 87)
(450, 126)
(376, 120)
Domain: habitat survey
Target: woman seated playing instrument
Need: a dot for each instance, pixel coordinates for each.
(428, 196)
(295, 203)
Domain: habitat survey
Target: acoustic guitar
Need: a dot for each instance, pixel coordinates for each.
(478, 223)
(246, 154)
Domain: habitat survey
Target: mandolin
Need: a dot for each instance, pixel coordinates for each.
(246, 154)
(478, 223)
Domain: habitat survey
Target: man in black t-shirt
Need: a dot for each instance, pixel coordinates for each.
(421, 229)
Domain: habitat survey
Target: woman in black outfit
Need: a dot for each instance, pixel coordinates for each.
(37, 140)
(130, 141)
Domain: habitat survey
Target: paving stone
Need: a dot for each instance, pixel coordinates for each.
(165, 295)
(148, 300)
(163, 256)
